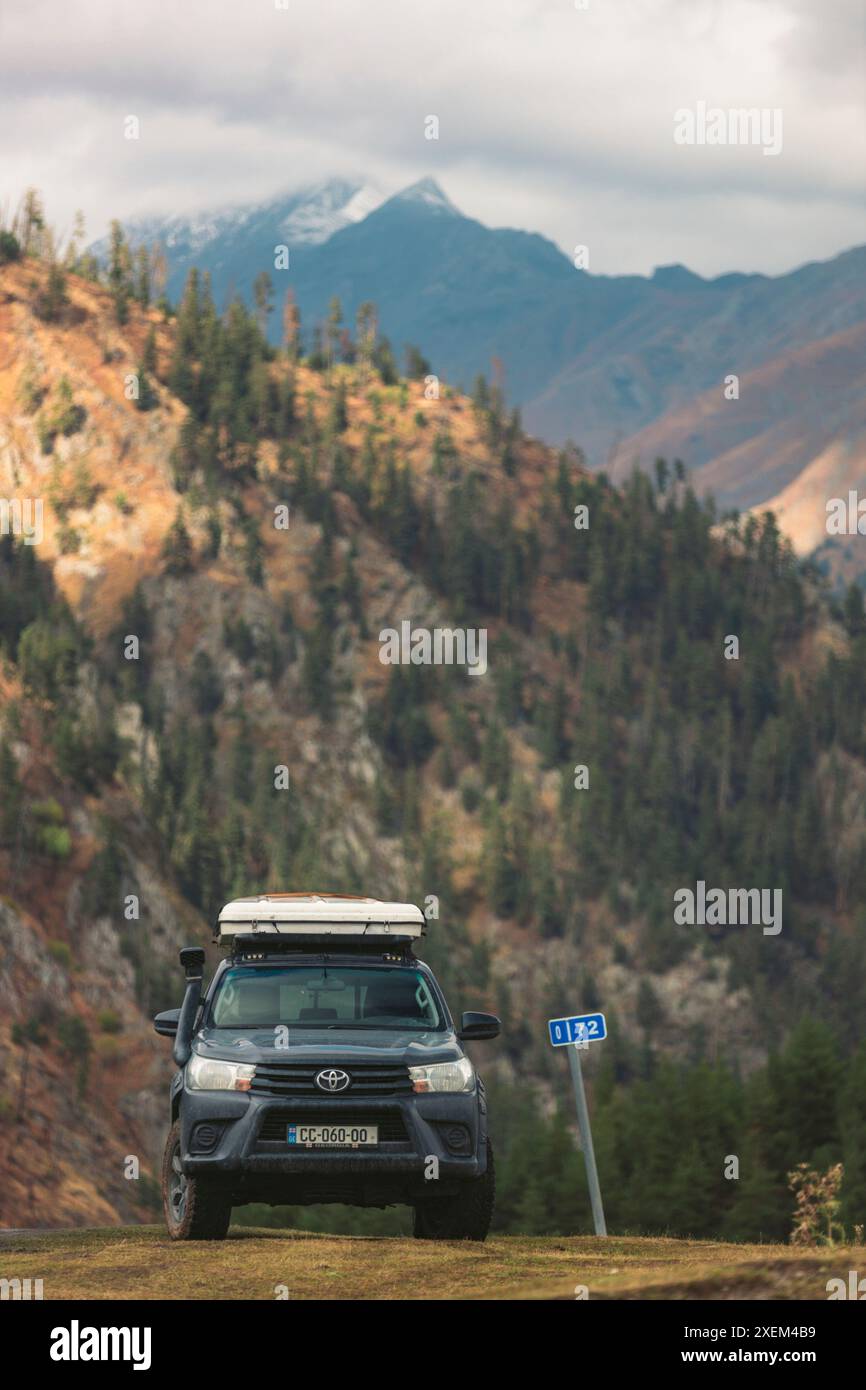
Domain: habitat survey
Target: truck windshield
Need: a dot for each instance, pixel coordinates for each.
(325, 996)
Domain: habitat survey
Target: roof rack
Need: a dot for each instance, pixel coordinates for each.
(261, 944)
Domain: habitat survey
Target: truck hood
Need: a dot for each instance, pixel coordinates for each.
(326, 1045)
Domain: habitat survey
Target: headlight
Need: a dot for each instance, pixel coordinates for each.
(444, 1076)
(207, 1074)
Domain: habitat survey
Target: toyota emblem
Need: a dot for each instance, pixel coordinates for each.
(333, 1080)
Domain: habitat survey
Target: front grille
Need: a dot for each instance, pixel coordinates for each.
(391, 1127)
(298, 1079)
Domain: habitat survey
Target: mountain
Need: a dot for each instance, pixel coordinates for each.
(630, 366)
(789, 409)
(684, 341)
(443, 279)
(234, 243)
(794, 438)
(140, 774)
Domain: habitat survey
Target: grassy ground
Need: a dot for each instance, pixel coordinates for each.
(140, 1262)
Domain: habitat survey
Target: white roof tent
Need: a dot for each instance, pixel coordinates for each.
(318, 914)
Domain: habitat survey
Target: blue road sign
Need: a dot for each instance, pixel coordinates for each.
(582, 1028)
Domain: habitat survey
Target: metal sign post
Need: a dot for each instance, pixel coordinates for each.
(576, 1034)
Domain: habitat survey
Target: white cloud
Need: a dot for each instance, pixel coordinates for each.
(551, 118)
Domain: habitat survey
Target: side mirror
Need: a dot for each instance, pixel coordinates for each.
(474, 1027)
(166, 1024)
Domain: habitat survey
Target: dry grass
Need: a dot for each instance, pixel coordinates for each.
(141, 1263)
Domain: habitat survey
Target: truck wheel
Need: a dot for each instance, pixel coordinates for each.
(193, 1211)
(465, 1217)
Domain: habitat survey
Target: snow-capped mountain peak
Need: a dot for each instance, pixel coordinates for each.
(322, 209)
(427, 192)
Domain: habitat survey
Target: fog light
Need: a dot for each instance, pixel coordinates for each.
(457, 1138)
(204, 1138)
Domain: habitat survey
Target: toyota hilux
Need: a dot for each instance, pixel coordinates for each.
(322, 1064)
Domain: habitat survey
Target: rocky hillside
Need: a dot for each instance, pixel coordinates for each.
(192, 704)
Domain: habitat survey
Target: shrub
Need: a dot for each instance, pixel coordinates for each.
(65, 418)
(109, 1050)
(68, 539)
(48, 659)
(10, 248)
(52, 299)
(73, 1037)
(817, 1205)
(68, 417)
(74, 1041)
(45, 434)
(48, 812)
(32, 1030)
(55, 841)
(30, 392)
(84, 491)
(60, 952)
(86, 753)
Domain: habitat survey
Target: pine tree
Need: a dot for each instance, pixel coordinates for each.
(501, 872)
(147, 398)
(291, 327)
(263, 297)
(338, 418)
(119, 271)
(181, 378)
(142, 277)
(332, 328)
(366, 332)
(148, 355)
(51, 301)
(32, 222)
(417, 366)
(177, 551)
(12, 796)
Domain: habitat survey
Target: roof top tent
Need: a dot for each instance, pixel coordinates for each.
(319, 915)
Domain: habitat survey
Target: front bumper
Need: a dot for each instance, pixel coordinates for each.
(254, 1167)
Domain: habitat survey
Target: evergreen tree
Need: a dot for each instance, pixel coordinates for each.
(119, 271)
(177, 551)
(53, 300)
(263, 297)
(142, 277)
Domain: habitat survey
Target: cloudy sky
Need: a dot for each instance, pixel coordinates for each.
(551, 117)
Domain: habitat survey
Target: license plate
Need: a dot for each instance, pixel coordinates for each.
(333, 1136)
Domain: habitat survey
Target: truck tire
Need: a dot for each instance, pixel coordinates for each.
(193, 1210)
(464, 1217)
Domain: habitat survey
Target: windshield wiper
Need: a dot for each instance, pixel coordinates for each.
(326, 1027)
(378, 1027)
